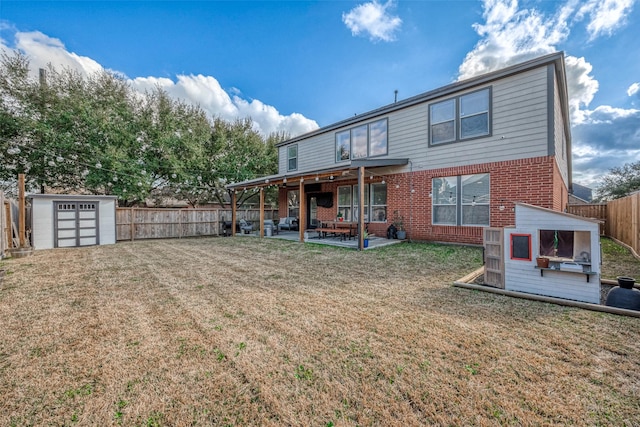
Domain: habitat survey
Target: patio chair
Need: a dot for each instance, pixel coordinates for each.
(246, 226)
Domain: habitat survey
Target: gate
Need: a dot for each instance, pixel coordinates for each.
(76, 224)
(494, 257)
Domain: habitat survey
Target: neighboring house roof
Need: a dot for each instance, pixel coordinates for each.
(582, 192)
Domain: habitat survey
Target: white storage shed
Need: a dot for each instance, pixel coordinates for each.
(63, 221)
(571, 244)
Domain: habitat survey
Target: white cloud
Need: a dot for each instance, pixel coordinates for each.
(373, 18)
(43, 50)
(204, 91)
(510, 35)
(582, 87)
(603, 137)
(606, 16)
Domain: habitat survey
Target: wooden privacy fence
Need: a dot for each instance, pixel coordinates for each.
(161, 223)
(623, 218)
(595, 210)
(5, 226)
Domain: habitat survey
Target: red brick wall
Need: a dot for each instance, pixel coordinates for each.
(536, 181)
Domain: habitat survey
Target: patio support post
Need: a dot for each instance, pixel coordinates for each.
(261, 212)
(233, 212)
(22, 214)
(361, 208)
(302, 217)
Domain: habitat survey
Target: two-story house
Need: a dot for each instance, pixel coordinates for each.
(450, 161)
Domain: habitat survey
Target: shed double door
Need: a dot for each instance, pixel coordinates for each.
(76, 224)
(494, 257)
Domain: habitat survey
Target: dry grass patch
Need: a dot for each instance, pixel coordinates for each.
(264, 332)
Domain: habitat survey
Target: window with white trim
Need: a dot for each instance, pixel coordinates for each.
(463, 117)
(292, 158)
(461, 200)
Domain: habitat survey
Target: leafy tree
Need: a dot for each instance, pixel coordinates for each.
(235, 153)
(619, 182)
(96, 134)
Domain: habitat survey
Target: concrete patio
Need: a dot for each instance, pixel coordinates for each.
(312, 237)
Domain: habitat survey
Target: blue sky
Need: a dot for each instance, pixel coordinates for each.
(297, 65)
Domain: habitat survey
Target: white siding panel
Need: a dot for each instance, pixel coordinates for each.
(557, 284)
(317, 153)
(107, 221)
(42, 224)
(522, 276)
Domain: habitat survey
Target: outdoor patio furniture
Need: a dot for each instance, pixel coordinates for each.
(288, 223)
(269, 224)
(246, 226)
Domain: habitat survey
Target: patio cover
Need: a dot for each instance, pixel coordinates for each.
(340, 172)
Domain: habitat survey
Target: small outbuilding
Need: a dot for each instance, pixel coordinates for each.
(568, 247)
(63, 221)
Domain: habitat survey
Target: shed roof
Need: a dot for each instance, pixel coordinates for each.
(563, 214)
(79, 197)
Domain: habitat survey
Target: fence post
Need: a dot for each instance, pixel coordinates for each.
(132, 225)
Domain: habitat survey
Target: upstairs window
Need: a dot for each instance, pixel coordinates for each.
(466, 116)
(443, 122)
(378, 138)
(359, 136)
(474, 114)
(362, 141)
(343, 146)
(292, 158)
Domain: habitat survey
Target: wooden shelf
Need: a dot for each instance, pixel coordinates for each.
(586, 273)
